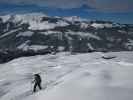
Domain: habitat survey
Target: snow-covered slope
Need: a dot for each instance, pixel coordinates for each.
(80, 77)
(34, 20)
(74, 19)
(98, 25)
(37, 33)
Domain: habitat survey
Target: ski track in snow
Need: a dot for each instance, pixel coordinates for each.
(67, 73)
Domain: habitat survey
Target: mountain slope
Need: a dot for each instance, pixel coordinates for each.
(31, 34)
(65, 76)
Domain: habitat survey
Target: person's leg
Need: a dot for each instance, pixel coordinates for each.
(35, 85)
(39, 85)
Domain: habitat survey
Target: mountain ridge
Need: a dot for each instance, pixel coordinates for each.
(37, 33)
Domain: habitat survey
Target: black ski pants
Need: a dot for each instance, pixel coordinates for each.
(37, 85)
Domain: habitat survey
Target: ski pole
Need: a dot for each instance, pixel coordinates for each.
(31, 88)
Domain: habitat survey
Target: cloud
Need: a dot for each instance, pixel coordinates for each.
(102, 5)
(112, 5)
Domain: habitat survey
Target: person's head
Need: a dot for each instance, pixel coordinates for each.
(36, 75)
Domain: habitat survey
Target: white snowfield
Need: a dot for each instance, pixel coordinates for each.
(69, 77)
(74, 19)
(97, 25)
(34, 21)
(25, 34)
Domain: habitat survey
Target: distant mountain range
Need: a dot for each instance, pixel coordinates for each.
(36, 33)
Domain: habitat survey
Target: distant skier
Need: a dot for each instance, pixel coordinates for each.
(37, 82)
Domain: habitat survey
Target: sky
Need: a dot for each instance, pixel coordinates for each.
(113, 10)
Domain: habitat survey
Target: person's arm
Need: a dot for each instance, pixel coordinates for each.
(33, 81)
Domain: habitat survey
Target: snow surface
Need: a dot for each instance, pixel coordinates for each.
(5, 18)
(37, 47)
(34, 25)
(84, 25)
(98, 25)
(129, 44)
(62, 23)
(69, 77)
(10, 32)
(26, 34)
(26, 47)
(34, 20)
(74, 19)
(41, 25)
(85, 34)
(50, 32)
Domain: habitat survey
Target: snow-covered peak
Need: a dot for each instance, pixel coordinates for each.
(5, 18)
(101, 25)
(84, 25)
(30, 17)
(74, 19)
(23, 17)
(35, 21)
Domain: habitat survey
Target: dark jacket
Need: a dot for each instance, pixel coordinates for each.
(37, 78)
